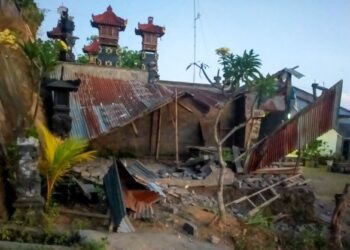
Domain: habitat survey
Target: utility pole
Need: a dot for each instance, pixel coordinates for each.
(195, 18)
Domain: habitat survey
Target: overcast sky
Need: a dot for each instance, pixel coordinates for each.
(314, 34)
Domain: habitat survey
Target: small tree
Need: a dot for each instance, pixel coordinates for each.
(239, 69)
(129, 58)
(58, 157)
(313, 151)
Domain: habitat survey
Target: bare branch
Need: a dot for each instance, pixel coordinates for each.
(232, 131)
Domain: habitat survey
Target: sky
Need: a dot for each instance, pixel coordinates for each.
(313, 34)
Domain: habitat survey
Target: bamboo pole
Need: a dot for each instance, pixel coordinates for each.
(176, 131)
(158, 132)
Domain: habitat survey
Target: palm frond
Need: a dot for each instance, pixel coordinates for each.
(59, 156)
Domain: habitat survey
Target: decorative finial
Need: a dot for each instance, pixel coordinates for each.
(150, 19)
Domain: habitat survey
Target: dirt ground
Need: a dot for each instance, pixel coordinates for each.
(325, 183)
(151, 241)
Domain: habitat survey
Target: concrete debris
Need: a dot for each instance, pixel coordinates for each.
(210, 181)
(214, 239)
(190, 228)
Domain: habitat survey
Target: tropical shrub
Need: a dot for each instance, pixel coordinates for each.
(59, 156)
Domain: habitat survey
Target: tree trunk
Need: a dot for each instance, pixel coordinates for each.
(220, 194)
(341, 203)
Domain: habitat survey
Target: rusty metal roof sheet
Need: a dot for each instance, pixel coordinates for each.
(204, 94)
(303, 128)
(103, 104)
(104, 101)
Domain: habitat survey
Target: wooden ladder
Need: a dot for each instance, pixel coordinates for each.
(289, 182)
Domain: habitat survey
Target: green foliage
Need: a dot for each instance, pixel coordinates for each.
(227, 154)
(42, 54)
(59, 157)
(239, 69)
(129, 58)
(259, 219)
(50, 216)
(31, 132)
(310, 238)
(79, 224)
(82, 59)
(265, 87)
(95, 244)
(5, 234)
(28, 218)
(31, 13)
(313, 151)
(12, 154)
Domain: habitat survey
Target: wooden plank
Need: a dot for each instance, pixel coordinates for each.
(176, 132)
(134, 128)
(84, 214)
(171, 115)
(151, 134)
(260, 191)
(262, 197)
(255, 210)
(185, 107)
(158, 132)
(251, 202)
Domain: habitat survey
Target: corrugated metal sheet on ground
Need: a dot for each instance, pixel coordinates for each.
(115, 198)
(303, 128)
(102, 104)
(136, 168)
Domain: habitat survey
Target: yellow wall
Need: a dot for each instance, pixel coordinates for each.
(333, 140)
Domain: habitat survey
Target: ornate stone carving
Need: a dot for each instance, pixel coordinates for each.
(28, 183)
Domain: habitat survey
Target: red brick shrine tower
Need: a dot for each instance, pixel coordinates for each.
(103, 50)
(150, 34)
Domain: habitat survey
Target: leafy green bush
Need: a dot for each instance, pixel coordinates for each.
(31, 13)
(129, 58)
(95, 244)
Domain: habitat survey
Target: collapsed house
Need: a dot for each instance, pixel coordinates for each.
(131, 112)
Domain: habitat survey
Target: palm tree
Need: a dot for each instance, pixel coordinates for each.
(59, 156)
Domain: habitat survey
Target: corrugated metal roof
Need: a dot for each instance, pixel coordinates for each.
(204, 94)
(103, 104)
(303, 128)
(104, 101)
(303, 99)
